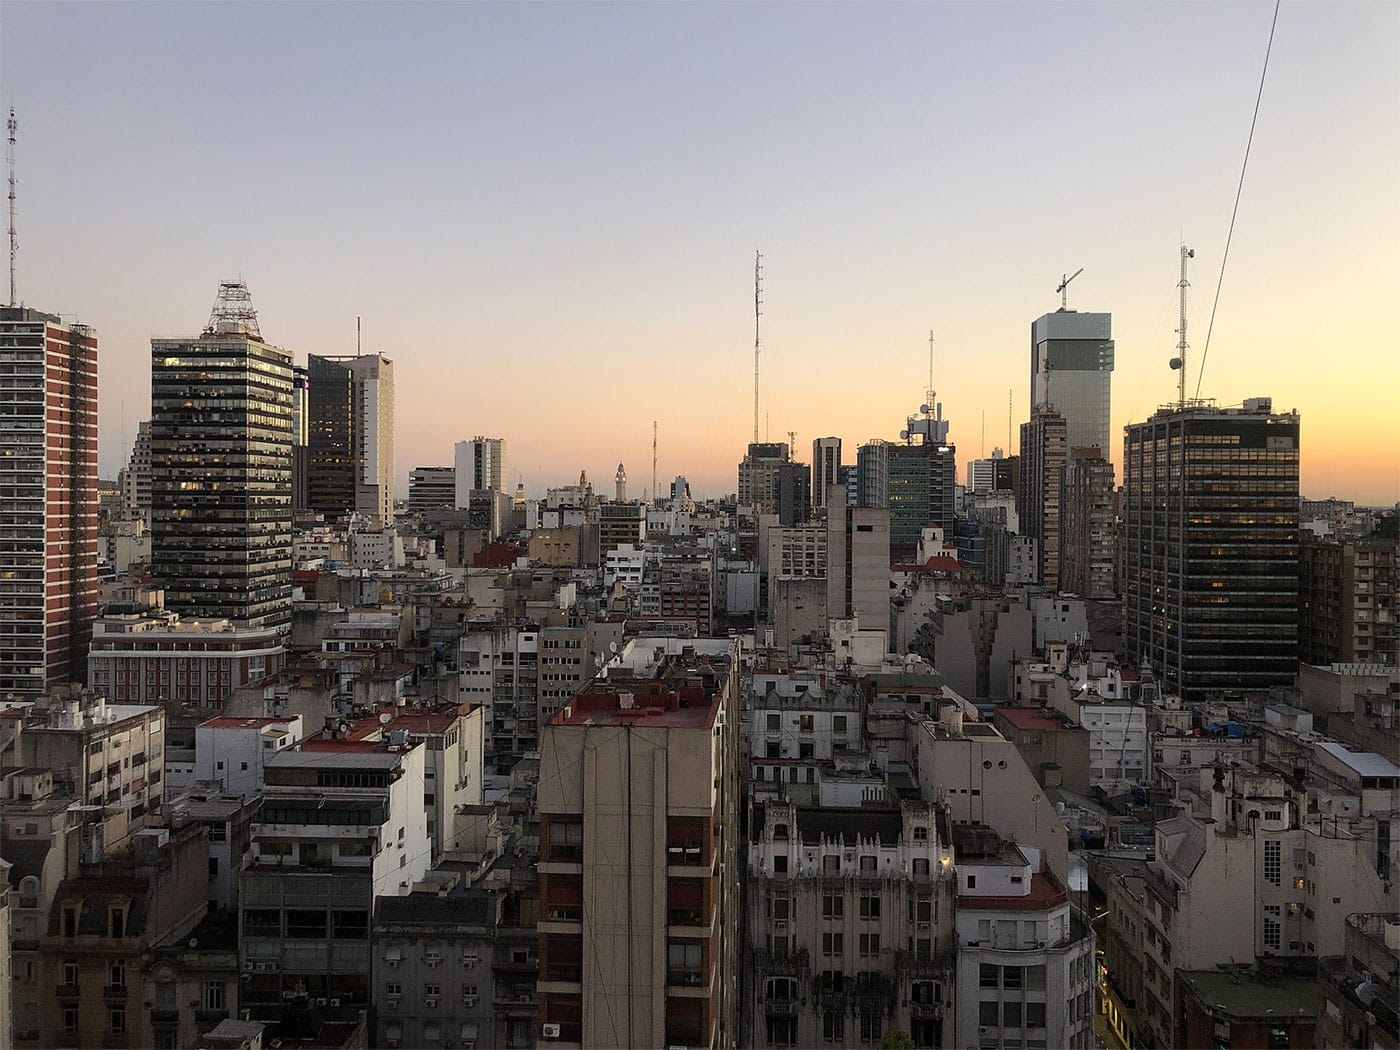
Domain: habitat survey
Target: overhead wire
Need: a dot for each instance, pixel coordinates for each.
(1225, 256)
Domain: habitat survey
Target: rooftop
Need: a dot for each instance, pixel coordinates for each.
(646, 703)
(1034, 718)
(246, 723)
(1045, 893)
(1251, 996)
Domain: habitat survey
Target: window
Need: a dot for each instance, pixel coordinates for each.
(833, 1027)
(432, 991)
(804, 723)
(70, 1018)
(988, 976)
(1011, 977)
(869, 944)
(989, 1013)
(774, 723)
(1273, 861)
(116, 975)
(921, 834)
(780, 865)
(833, 944)
(1011, 1014)
(867, 865)
(683, 963)
(1035, 1015)
(870, 1028)
(117, 1017)
(920, 865)
(870, 907)
(393, 988)
(972, 882)
(70, 973)
(833, 906)
(838, 724)
(212, 995)
(117, 923)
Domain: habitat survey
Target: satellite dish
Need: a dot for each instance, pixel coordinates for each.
(925, 409)
(612, 647)
(904, 435)
(194, 942)
(385, 718)
(1175, 363)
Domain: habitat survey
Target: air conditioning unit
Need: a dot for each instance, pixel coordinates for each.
(470, 960)
(394, 1002)
(780, 925)
(470, 1000)
(983, 1031)
(1040, 944)
(430, 1002)
(430, 961)
(923, 927)
(549, 1030)
(335, 1002)
(393, 964)
(318, 1002)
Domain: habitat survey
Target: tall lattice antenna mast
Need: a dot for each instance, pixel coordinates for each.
(1179, 361)
(930, 394)
(757, 313)
(655, 498)
(12, 126)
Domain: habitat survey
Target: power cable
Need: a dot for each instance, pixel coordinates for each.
(1238, 191)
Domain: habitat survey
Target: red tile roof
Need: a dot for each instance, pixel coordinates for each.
(1031, 718)
(1045, 894)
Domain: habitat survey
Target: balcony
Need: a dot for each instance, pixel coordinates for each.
(203, 1016)
(781, 1007)
(114, 991)
(66, 991)
(786, 964)
(165, 1016)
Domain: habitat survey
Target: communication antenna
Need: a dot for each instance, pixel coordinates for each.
(792, 444)
(1178, 362)
(1064, 285)
(12, 126)
(653, 462)
(1010, 393)
(357, 336)
(930, 394)
(757, 313)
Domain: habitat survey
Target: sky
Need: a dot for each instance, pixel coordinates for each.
(547, 214)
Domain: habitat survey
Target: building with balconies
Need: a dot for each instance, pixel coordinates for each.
(638, 804)
(1025, 966)
(848, 919)
(341, 822)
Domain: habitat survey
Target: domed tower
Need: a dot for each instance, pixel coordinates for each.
(621, 483)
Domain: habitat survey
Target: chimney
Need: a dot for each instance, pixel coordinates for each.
(1219, 809)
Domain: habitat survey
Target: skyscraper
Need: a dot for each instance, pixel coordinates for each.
(826, 467)
(758, 474)
(1043, 452)
(221, 469)
(1210, 546)
(48, 513)
(351, 436)
(917, 481)
(301, 438)
(1071, 371)
(480, 465)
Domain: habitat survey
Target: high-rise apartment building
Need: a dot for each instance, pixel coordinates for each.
(301, 438)
(758, 474)
(480, 464)
(639, 822)
(1210, 546)
(1071, 372)
(48, 511)
(1043, 452)
(134, 480)
(1087, 536)
(826, 467)
(351, 432)
(858, 565)
(221, 469)
(1349, 601)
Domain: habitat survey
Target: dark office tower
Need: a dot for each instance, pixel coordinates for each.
(48, 499)
(1071, 371)
(301, 452)
(922, 492)
(1210, 547)
(221, 469)
(793, 483)
(758, 475)
(351, 436)
(1087, 535)
(1043, 450)
(826, 468)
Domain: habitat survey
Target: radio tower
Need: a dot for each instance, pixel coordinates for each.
(1179, 361)
(757, 313)
(655, 499)
(12, 127)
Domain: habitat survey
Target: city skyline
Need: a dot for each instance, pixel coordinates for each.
(547, 232)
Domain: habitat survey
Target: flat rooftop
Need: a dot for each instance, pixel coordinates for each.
(1029, 718)
(223, 722)
(1045, 893)
(645, 703)
(1250, 996)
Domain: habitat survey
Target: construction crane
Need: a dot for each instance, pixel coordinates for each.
(1064, 285)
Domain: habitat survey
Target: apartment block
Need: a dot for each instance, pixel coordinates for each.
(1025, 956)
(48, 518)
(638, 803)
(1348, 601)
(850, 909)
(1044, 451)
(1088, 541)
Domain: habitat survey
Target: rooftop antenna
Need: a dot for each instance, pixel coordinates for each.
(653, 460)
(1179, 361)
(1010, 393)
(358, 351)
(1063, 289)
(792, 445)
(930, 394)
(757, 313)
(12, 127)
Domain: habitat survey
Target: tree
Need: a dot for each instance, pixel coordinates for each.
(896, 1041)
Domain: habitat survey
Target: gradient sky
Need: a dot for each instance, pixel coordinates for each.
(547, 214)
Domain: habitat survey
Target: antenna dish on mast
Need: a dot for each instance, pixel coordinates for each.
(1064, 284)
